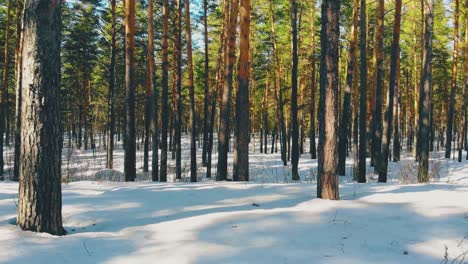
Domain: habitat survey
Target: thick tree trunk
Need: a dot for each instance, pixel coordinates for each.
(165, 91)
(294, 123)
(424, 94)
(241, 153)
(40, 195)
(193, 132)
(346, 110)
(327, 180)
(361, 175)
(388, 124)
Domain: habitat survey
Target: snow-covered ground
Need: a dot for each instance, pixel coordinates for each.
(270, 220)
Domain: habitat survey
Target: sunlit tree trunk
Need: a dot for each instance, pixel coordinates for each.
(241, 153)
(206, 79)
(40, 195)
(130, 139)
(294, 123)
(327, 180)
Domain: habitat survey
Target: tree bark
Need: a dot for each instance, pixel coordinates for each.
(379, 75)
(388, 122)
(4, 91)
(346, 110)
(111, 98)
(18, 76)
(327, 180)
(424, 94)
(193, 132)
(165, 91)
(40, 195)
(294, 123)
(450, 117)
(361, 175)
(206, 80)
(241, 153)
(225, 107)
(178, 98)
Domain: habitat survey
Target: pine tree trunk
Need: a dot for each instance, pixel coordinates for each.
(424, 94)
(178, 98)
(4, 91)
(241, 153)
(388, 122)
(152, 112)
(193, 132)
(379, 75)
(313, 86)
(346, 110)
(165, 91)
(294, 123)
(206, 79)
(327, 180)
(450, 117)
(40, 195)
(225, 107)
(111, 99)
(361, 174)
(18, 76)
(130, 139)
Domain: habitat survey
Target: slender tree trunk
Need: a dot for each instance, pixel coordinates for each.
(278, 86)
(193, 133)
(18, 74)
(465, 81)
(111, 99)
(379, 79)
(241, 153)
(40, 195)
(388, 124)
(327, 181)
(424, 94)
(313, 86)
(130, 140)
(152, 111)
(294, 123)
(346, 110)
(450, 117)
(206, 80)
(225, 107)
(4, 91)
(361, 175)
(164, 93)
(178, 76)
(397, 107)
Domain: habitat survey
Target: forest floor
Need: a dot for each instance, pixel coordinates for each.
(269, 220)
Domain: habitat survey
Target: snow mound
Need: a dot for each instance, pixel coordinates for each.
(109, 175)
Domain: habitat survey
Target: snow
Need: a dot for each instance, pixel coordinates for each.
(269, 220)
